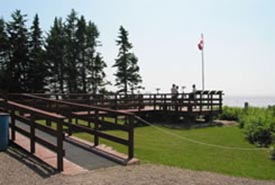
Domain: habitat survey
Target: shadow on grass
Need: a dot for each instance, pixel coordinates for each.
(32, 162)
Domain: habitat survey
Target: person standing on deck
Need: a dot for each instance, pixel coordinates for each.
(173, 90)
(174, 93)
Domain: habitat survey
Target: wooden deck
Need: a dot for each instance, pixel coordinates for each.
(189, 105)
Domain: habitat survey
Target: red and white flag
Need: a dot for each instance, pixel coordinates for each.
(201, 44)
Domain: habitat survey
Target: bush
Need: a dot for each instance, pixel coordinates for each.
(259, 126)
(231, 113)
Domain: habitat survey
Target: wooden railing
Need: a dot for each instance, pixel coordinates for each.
(201, 100)
(27, 116)
(95, 117)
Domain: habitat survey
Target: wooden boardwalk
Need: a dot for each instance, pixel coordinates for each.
(99, 113)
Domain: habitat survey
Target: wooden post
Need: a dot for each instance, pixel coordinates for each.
(89, 122)
(60, 137)
(13, 126)
(32, 135)
(165, 105)
(96, 140)
(211, 102)
(246, 105)
(201, 101)
(48, 122)
(154, 102)
(189, 106)
(220, 101)
(115, 101)
(131, 138)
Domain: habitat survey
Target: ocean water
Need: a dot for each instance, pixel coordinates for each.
(256, 101)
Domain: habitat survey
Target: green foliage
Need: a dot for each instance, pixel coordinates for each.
(55, 50)
(3, 55)
(231, 113)
(37, 70)
(258, 123)
(259, 126)
(127, 74)
(65, 62)
(18, 62)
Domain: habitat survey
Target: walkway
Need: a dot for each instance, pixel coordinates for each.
(81, 157)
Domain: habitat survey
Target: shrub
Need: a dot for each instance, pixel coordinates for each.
(231, 113)
(259, 126)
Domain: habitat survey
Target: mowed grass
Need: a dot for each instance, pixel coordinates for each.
(166, 146)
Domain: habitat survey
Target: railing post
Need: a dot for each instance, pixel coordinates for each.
(165, 103)
(60, 138)
(155, 102)
(115, 101)
(13, 136)
(211, 102)
(189, 106)
(32, 134)
(220, 101)
(131, 138)
(48, 122)
(96, 140)
(201, 101)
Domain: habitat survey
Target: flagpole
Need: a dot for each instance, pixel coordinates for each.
(202, 62)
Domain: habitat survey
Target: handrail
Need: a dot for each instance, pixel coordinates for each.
(13, 107)
(95, 130)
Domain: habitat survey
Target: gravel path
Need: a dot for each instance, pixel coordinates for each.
(20, 169)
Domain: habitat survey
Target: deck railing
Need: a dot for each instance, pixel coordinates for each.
(199, 101)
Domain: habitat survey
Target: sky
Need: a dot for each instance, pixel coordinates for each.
(239, 56)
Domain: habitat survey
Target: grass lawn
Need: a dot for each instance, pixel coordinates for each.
(154, 145)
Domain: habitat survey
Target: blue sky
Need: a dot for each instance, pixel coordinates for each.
(239, 41)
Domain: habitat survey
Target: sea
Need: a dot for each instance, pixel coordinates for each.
(255, 101)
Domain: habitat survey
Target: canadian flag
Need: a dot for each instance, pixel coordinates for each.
(200, 45)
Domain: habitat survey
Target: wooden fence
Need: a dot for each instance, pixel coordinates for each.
(26, 115)
(95, 117)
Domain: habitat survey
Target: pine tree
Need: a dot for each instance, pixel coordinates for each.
(55, 50)
(37, 70)
(97, 74)
(82, 50)
(18, 64)
(135, 78)
(127, 69)
(95, 63)
(71, 52)
(3, 55)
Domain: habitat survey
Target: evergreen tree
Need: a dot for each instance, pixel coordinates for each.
(71, 52)
(135, 78)
(37, 70)
(3, 55)
(127, 69)
(97, 74)
(18, 65)
(55, 50)
(82, 56)
(95, 64)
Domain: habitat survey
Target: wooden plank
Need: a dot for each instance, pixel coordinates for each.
(29, 109)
